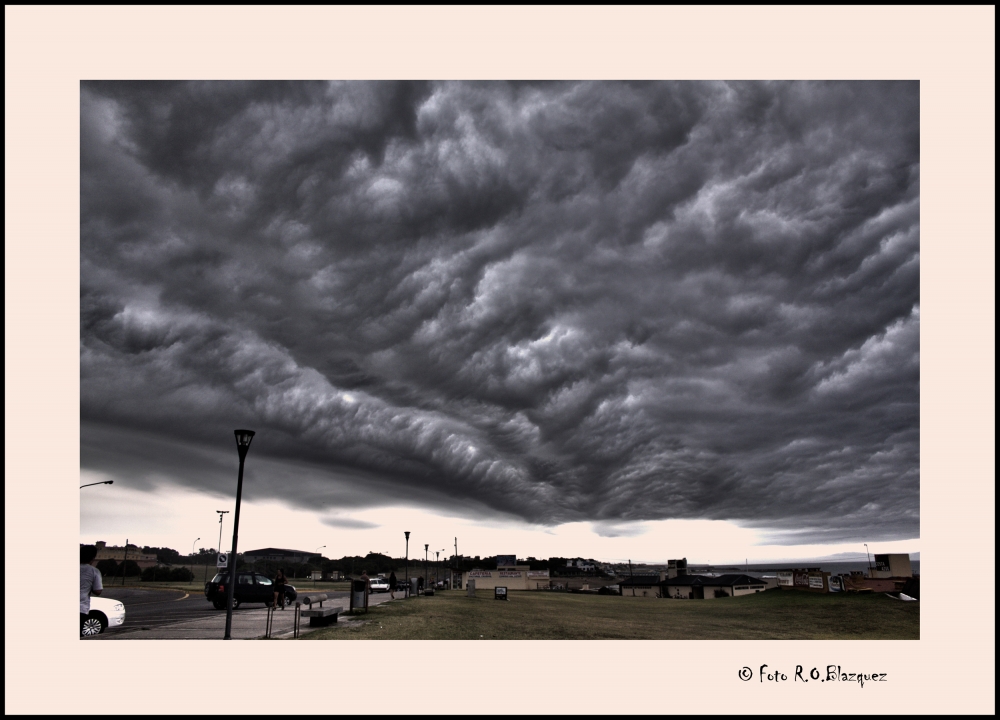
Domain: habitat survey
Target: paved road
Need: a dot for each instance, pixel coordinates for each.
(175, 614)
(152, 608)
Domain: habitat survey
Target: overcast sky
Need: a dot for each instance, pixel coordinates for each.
(599, 310)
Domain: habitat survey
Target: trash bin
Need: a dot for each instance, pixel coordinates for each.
(414, 586)
(359, 594)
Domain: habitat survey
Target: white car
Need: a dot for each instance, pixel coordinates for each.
(378, 585)
(104, 613)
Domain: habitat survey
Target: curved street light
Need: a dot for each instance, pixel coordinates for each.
(103, 482)
(317, 550)
(243, 439)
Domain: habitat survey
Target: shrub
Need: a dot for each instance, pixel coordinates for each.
(107, 567)
(162, 573)
(181, 574)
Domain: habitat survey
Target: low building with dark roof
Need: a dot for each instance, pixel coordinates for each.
(707, 587)
(691, 587)
(644, 585)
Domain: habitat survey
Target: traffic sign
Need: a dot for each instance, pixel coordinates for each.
(222, 561)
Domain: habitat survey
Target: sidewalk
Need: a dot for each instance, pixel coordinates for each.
(248, 624)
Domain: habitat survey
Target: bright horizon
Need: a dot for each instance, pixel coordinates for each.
(174, 518)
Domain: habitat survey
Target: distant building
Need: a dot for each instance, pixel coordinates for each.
(701, 587)
(281, 555)
(691, 587)
(892, 565)
(520, 577)
(143, 560)
(643, 585)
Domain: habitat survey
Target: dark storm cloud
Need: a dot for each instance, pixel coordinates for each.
(562, 301)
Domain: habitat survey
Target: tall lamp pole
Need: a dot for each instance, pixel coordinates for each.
(104, 482)
(321, 564)
(407, 578)
(426, 545)
(243, 438)
(869, 560)
(219, 548)
(192, 555)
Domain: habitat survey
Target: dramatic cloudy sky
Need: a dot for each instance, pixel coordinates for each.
(532, 307)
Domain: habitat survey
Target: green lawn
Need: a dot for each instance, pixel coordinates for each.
(772, 615)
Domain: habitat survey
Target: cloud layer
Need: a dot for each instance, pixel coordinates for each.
(604, 302)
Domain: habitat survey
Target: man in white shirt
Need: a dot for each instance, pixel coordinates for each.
(90, 580)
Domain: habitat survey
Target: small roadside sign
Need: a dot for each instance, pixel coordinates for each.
(500, 593)
(222, 561)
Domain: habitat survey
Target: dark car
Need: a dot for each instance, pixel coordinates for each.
(250, 588)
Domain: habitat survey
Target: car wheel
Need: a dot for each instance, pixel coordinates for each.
(95, 624)
(290, 598)
(236, 603)
(219, 604)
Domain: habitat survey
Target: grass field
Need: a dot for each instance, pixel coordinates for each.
(772, 615)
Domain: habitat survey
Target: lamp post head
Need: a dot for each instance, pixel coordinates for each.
(243, 438)
(407, 534)
(426, 545)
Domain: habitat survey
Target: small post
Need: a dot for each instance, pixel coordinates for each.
(125, 561)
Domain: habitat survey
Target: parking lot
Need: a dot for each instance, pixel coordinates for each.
(174, 614)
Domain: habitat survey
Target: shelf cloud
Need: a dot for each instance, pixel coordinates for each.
(603, 302)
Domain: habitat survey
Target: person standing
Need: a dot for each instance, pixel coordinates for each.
(90, 580)
(392, 585)
(279, 588)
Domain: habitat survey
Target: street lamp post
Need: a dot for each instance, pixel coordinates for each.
(104, 482)
(426, 545)
(192, 555)
(869, 560)
(407, 578)
(317, 550)
(219, 548)
(243, 438)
